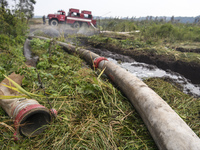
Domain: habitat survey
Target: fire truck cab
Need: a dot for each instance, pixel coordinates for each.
(74, 18)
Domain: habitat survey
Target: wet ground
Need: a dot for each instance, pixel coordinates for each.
(144, 71)
(189, 70)
(140, 69)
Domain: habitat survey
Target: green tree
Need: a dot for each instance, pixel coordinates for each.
(3, 3)
(26, 6)
(12, 26)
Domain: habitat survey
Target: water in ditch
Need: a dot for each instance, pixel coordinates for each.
(144, 71)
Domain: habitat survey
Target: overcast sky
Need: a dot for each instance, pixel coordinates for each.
(122, 8)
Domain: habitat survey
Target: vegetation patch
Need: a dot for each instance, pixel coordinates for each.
(92, 113)
(187, 107)
(185, 63)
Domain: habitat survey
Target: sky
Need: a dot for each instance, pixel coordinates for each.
(122, 8)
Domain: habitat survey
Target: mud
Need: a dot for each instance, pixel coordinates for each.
(181, 73)
(144, 71)
(190, 71)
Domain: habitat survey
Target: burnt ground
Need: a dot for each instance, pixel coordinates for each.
(190, 70)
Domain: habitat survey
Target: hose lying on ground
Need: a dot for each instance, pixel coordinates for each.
(168, 130)
(28, 115)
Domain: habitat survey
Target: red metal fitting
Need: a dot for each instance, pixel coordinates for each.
(98, 60)
(31, 120)
(16, 138)
(54, 112)
(21, 114)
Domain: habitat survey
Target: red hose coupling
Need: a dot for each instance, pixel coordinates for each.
(98, 60)
(32, 120)
(54, 112)
(24, 111)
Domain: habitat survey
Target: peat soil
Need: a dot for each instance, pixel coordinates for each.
(144, 71)
(190, 70)
(188, 50)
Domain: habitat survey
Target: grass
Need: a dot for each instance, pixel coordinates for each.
(136, 45)
(186, 107)
(34, 21)
(92, 113)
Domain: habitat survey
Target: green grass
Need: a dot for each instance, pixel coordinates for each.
(92, 113)
(187, 107)
(136, 45)
(34, 21)
(154, 30)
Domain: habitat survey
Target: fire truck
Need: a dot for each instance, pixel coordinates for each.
(73, 18)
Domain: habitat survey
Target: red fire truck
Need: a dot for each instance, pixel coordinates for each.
(74, 18)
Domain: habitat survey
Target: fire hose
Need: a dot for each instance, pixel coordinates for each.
(30, 118)
(92, 25)
(166, 127)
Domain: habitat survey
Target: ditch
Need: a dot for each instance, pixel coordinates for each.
(144, 71)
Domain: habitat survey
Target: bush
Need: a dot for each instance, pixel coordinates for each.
(166, 31)
(12, 25)
(119, 25)
(5, 41)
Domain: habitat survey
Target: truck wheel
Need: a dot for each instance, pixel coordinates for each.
(85, 25)
(54, 22)
(76, 25)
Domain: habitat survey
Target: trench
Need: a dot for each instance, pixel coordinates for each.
(145, 71)
(163, 130)
(139, 69)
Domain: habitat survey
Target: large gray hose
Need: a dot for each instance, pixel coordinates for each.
(168, 130)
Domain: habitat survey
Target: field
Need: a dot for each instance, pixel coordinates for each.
(93, 113)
